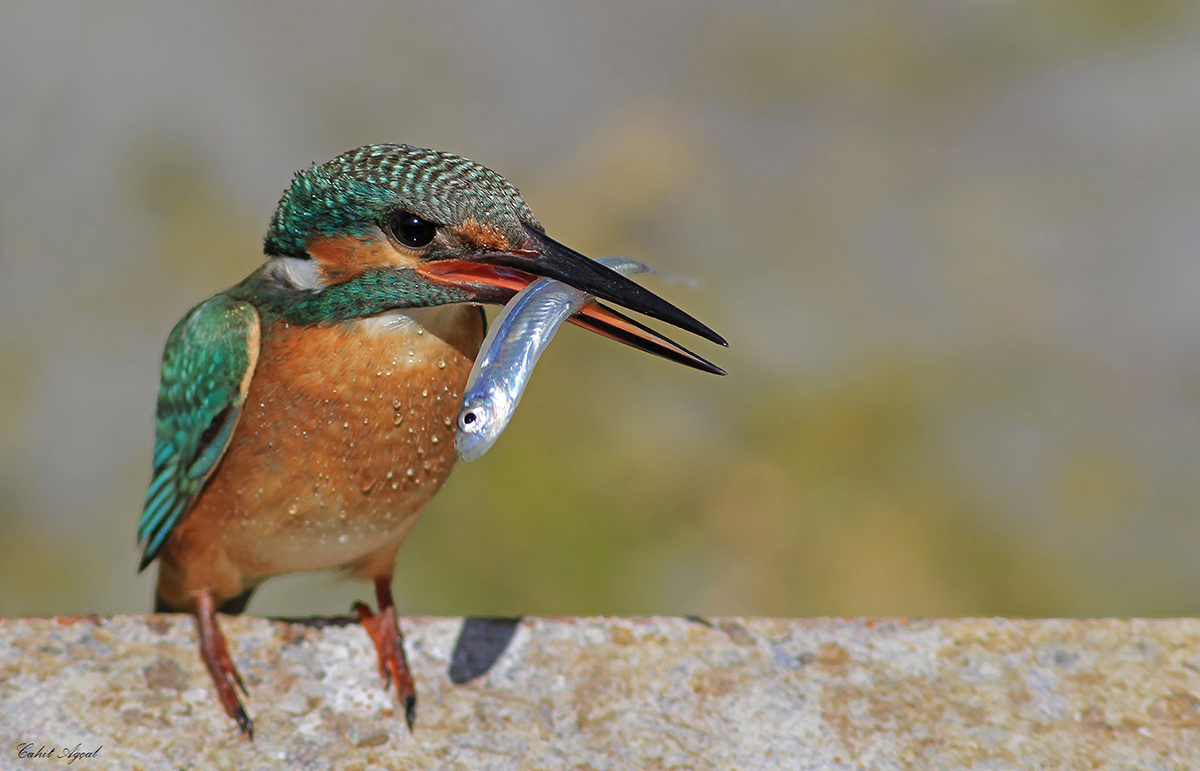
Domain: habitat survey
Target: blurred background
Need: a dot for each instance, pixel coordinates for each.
(954, 247)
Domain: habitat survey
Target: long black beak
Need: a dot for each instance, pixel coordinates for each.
(543, 256)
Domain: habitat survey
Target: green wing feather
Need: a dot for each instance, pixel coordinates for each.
(206, 370)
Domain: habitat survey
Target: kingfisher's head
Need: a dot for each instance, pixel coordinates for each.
(455, 222)
(427, 203)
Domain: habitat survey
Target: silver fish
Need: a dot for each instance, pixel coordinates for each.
(516, 339)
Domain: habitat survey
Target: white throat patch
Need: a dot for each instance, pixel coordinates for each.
(300, 273)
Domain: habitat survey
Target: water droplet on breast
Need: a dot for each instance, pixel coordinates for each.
(410, 472)
(395, 404)
(346, 424)
(398, 418)
(434, 439)
(343, 538)
(425, 392)
(441, 364)
(425, 465)
(294, 509)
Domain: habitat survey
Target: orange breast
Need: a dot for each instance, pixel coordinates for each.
(346, 433)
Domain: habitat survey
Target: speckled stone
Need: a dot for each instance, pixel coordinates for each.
(614, 693)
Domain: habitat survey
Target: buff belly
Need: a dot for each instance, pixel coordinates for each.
(347, 432)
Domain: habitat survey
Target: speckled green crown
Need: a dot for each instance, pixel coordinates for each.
(356, 191)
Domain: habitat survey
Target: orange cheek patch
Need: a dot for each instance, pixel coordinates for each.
(344, 258)
(483, 235)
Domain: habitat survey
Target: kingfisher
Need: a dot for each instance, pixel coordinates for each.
(305, 416)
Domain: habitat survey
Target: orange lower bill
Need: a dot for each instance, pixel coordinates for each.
(497, 285)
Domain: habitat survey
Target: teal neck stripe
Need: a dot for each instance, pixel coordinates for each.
(374, 292)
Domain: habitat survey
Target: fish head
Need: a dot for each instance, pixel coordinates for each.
(480, 423)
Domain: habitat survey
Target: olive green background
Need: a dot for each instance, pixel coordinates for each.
(954, 247)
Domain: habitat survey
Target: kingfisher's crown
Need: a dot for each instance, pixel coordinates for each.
(357, 190)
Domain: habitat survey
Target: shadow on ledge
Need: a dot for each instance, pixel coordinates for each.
(318, 622)
(480, 644)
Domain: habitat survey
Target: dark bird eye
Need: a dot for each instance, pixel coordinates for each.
(411, 230)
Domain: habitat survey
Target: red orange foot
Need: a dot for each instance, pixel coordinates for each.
(220, 666)
(384, 629)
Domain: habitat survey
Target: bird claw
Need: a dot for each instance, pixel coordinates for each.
(384, 631)
(244, 722)
(221, 668)
(410, 711)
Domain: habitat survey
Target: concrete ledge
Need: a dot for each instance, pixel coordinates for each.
(613, 693)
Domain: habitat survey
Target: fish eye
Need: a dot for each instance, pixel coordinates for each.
(467, 420)
(411, 230)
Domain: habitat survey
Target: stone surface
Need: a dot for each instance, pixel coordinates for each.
(613, 693)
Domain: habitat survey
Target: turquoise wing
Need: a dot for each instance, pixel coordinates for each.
(206, 370)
